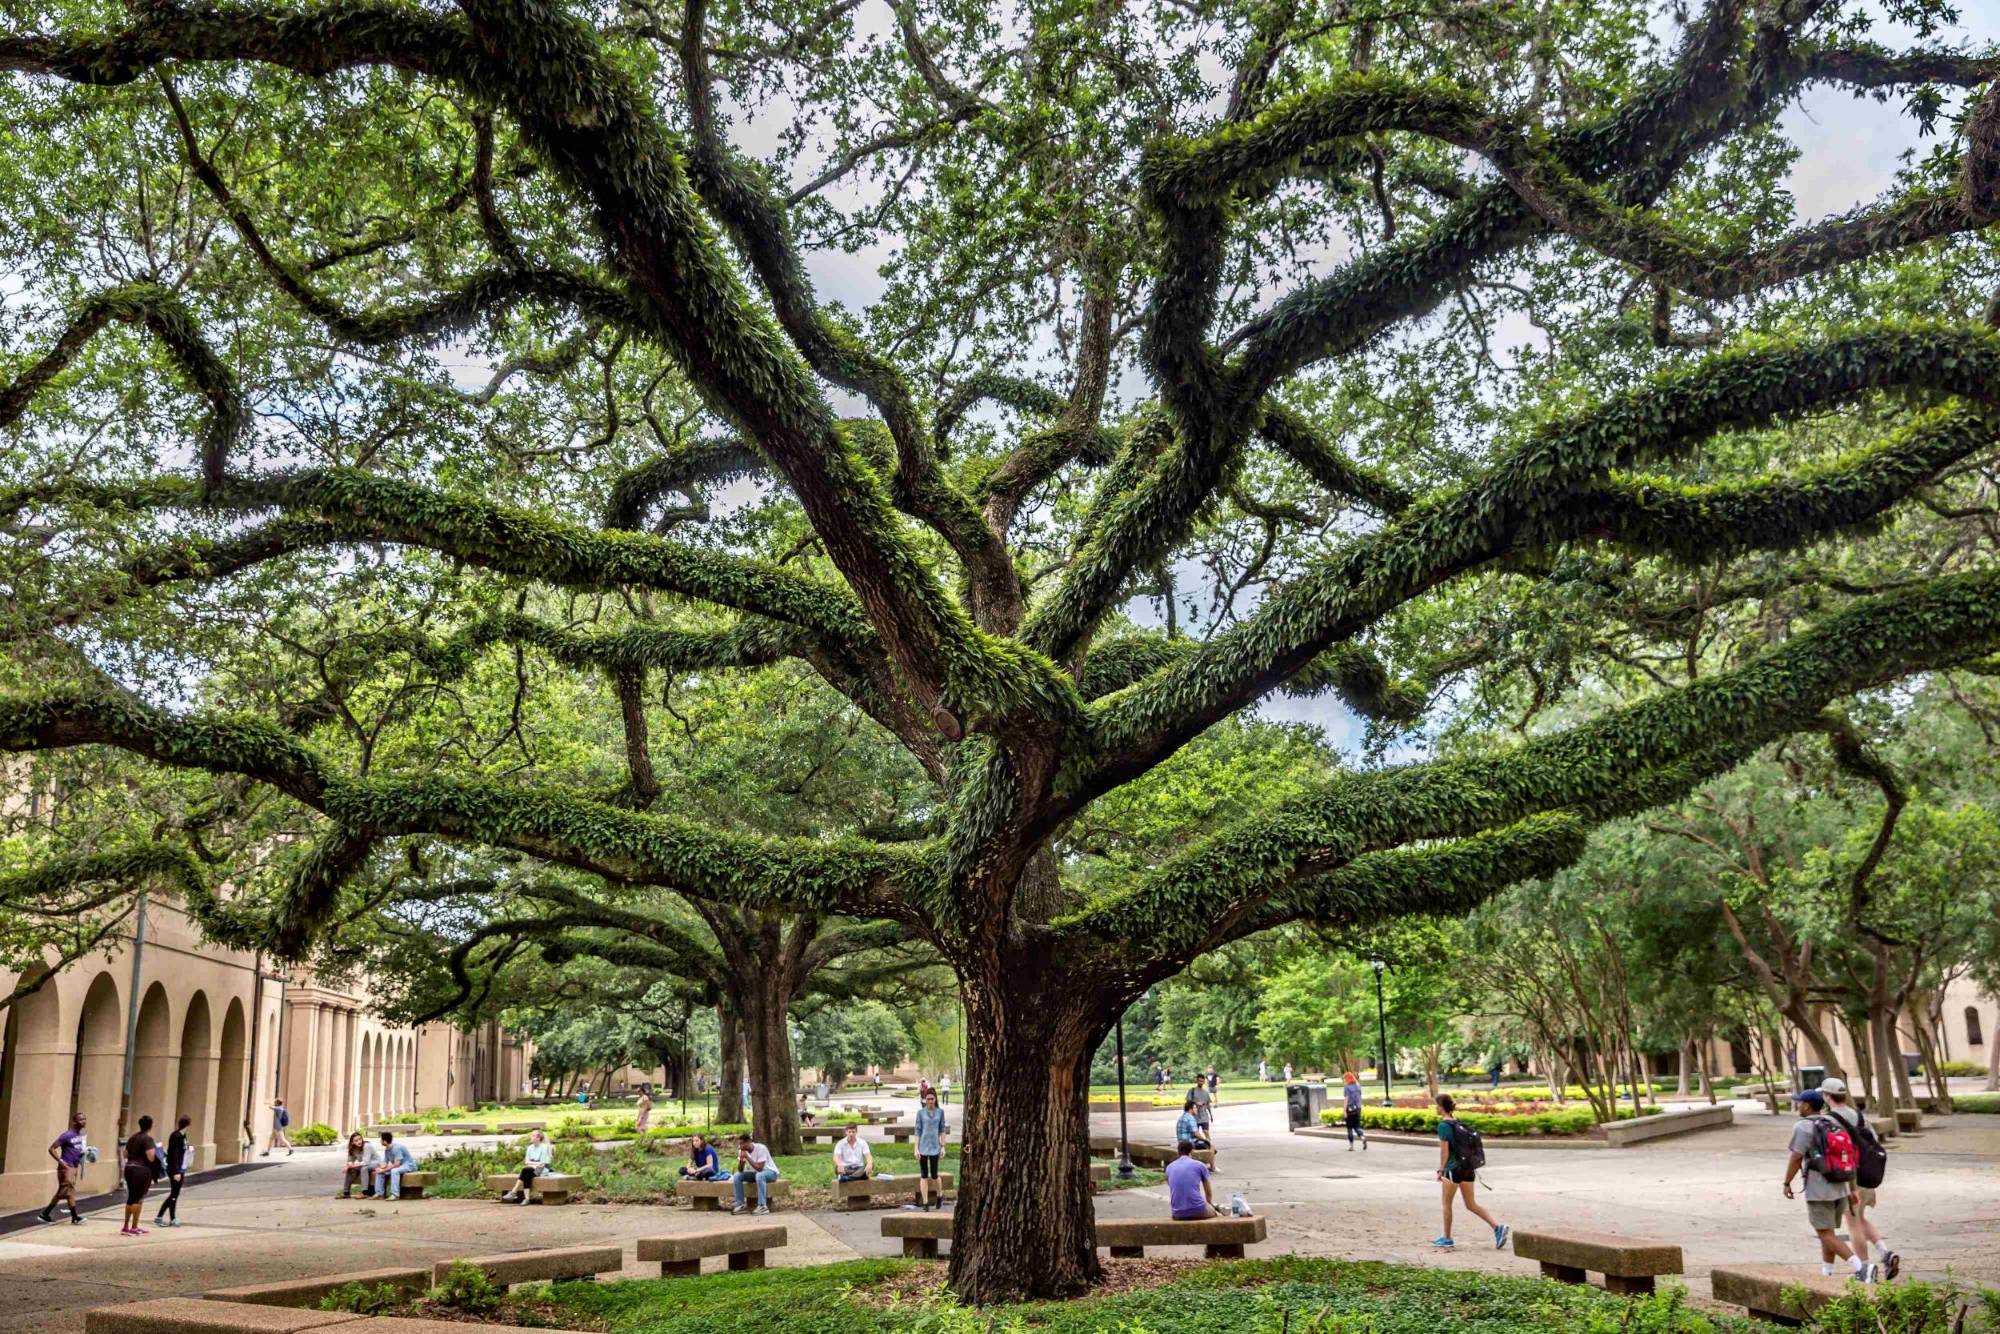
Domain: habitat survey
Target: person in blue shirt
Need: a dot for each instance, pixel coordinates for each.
(930, 1135)
(1188, 1191)
(1458, 1181)
(703, 1164)
(1189, 1129)
(396, 1160)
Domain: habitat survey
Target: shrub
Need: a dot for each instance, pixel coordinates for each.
(1975, 1102)
(1961, 1068)
(466, 1288)
(314, 1135)
(362, 1299)
(1915, 1307)
(1498, 1125)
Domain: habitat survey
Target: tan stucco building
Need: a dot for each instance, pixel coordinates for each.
(165, 1025)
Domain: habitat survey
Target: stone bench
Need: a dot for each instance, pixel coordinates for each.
(1684, 1121)
(920, 1233)
(192, 1315)
(521, 1127)
(1761, 1290)
(394, 1128)
(822, 1132)
(466, 1128)
(1909, 1119)
(1629, 1264)
(565, 1263)
(1144, 1154)
(704, 1195)
(862, 1194)
(308, 1291)
(549, 1188)
(681, 1256)
(413, 1184)
(1220, 1238)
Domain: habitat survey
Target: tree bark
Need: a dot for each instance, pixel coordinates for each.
(1880, 1045)
(1024, 1226)
(765, 1001)
(729, 1074)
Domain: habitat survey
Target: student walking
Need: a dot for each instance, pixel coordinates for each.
(68, 1150)
(645, 1109)
(1861, 1229)
(180, 1157)
(1823, 1149)
(944, 1089)
(753, 1163)
(1460, 1156)
(852, 1159)
(1203, 1108)
(538, 1159)
(280, 1119)
(1350, 1097)
(142, 1157)
(931, 1130)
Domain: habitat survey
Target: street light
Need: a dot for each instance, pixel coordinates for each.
(1124, 1149)
(1382, 1030)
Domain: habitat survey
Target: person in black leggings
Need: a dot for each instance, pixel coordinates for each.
(177, 1153)
(140, 1155)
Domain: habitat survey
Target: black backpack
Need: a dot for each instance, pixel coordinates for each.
(1868, 1148)
(1468, 1151)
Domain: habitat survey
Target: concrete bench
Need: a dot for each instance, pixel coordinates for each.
(704, 1195)
(414, 1184)
(920, 1233)
(822, 1132)
(569, 1262)
(681, 1256)
(1629, 1264)
(1144, 1154)
(466, 1128)
(308, 1291)
(1909, 1119)
(191, 1315)
(520, 1127)
(549, 1188)
(862, 1194)
(394, 1128)
(1761, 1289)
(1220, 1238)
(1684, 1121)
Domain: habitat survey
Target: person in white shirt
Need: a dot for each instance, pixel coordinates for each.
(852, 1159)
(538, 1159)
(754, 1163)
(944, 1089)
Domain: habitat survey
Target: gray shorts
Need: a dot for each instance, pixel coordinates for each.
(1824, 1215)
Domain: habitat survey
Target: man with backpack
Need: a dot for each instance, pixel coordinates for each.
(1461, 1153)
(1868, 1172)
(1824, 1149)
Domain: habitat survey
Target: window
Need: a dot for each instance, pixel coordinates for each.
(1973, 1037)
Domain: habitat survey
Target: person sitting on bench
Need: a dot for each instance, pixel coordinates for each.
(1188, 1192)
(702, 1163)
(852, 1159)
(1186, 1128)
(538, 1159)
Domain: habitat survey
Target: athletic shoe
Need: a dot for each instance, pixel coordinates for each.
(138, 1232)
(76, 1218)
(1500, 1235)
(1442, 1243)
(911, 1208)
(46, 1216)
(740, 1209)
(1892, 1265)
(763, 1209)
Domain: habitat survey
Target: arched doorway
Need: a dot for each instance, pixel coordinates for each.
(195, 1094)
(35, 1070)
(154, 1064)
(232, 1071)
(96, 1076)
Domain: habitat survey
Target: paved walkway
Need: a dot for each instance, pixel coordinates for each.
(1716, 1193)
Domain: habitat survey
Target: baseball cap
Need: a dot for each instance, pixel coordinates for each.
(1833, 1084)
(1811, 1097)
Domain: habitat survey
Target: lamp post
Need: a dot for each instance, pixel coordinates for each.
(687, 1065)
(1382, 1031)
(1124, 1147)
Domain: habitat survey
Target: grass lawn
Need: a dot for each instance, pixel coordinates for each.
(1288, 1295)
(644, 1173)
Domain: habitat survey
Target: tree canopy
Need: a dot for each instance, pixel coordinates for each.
(404, 403)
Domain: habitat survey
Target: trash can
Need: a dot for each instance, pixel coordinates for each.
(1303, 1104)
(1811, 1076)
(1913, 1063)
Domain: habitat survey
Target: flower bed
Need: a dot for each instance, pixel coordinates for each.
(1498, 1124)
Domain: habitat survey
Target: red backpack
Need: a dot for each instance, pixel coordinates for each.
(1833, 1155)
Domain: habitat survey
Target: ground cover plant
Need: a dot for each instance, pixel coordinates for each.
(720, 643)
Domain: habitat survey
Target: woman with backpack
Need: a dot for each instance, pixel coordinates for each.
(1461, 1154)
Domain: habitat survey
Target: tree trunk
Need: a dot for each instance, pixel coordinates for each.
(1024, 1226)
(729, 1074)
(774, 1077)
(1901, 1067)
(1682, 1088)
(1883, 1109)
(1934, 1080)
(1993, 1064)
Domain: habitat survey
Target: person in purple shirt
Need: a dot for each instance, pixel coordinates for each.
(1188, 1193)
(67, 1150)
